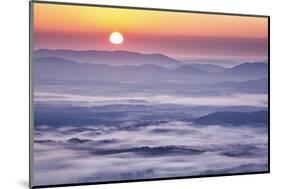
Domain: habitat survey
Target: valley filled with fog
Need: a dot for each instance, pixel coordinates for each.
(97, 121)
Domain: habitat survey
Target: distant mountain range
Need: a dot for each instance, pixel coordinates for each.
(234, 118)
(115, 58)
(124, 65)
(61, 69)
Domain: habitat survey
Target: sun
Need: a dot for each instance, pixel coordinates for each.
(116, 38)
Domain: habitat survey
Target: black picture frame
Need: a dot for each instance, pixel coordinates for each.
(31, 112)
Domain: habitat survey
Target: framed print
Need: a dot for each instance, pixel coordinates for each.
(123, 94)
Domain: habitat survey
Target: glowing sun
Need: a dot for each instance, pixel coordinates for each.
(116, 38)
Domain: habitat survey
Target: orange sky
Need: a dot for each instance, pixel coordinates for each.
(88, 28)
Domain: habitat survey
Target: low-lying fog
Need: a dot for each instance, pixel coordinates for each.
(84, 138)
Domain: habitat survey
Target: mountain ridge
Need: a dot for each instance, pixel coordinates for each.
(212, 68)
(117, 57)
(52, 60)
(233, 118)
(259, 69)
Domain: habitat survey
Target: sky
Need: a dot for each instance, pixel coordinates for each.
(179, 35)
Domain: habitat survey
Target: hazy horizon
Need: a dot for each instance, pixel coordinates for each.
(227, 62)
(194, 35)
